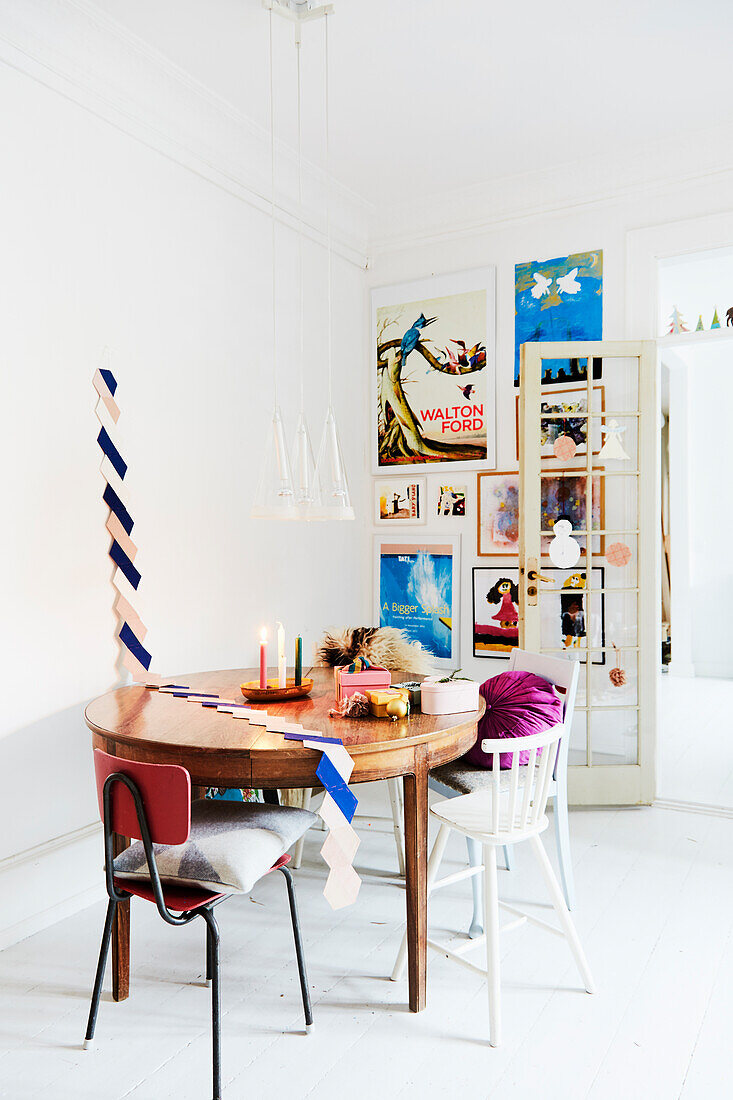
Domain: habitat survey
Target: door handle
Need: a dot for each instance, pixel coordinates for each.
(533, 575)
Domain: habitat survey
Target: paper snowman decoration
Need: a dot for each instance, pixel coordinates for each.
(564, 549)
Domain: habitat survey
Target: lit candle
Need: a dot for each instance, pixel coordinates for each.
(263, 658)
(281, 663)
(298, 661)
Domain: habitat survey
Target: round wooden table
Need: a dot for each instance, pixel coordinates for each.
(140, 723)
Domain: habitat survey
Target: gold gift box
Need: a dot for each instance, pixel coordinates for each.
(378, 699)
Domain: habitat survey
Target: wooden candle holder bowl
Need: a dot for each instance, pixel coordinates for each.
(274, 694)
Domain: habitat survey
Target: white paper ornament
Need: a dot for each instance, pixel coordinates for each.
(613, 447)
(564, 549)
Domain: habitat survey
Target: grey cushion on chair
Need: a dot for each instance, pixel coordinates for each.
(463, 777)
(231, 846)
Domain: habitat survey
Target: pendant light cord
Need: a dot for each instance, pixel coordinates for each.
(272, 219)
(329, 295)
(301, 306)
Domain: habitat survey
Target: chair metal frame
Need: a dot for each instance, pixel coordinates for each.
(213, 964)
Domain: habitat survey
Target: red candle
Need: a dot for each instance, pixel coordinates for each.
(263, 659)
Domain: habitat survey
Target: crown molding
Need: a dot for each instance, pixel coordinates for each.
(602, 180)
(80, 52)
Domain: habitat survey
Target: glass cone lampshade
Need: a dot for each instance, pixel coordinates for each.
(333, 487)
(275, 498)
(304, 471)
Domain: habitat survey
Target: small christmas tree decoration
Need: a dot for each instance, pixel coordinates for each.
(616, 675)
(716, 319)
(613, 446)
(676, 323)
(699, 327)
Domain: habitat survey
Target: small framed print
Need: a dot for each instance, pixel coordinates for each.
(495, 610)
(449, 500)
(564, 412)
(400, 500)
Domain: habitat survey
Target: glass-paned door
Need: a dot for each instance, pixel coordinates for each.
(588, 589)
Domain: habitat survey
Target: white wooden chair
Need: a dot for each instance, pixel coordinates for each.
(460, 778)
(509, 811)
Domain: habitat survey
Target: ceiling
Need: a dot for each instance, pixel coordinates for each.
(431, 95)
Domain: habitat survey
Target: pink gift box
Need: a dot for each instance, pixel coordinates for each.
(348, 682)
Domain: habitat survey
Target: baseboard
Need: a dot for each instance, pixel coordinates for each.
(694, 807)
(50, 881)
(716, 670)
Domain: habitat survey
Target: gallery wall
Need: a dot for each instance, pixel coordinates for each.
(108, 242)
(608, 225)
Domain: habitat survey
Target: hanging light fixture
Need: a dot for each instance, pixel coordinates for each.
(304, 465)
(275, 498)
(319, 490)
(334, 500)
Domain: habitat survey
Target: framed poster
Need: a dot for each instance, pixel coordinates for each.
(559, 299)
(416, 588)
(495, 610)
(434, 372)
(567, 623)
(563, 412)
(563, 494)
(400, 500)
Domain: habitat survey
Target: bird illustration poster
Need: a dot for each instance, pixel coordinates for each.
(417, 590)
(434, 372)
(560, 299)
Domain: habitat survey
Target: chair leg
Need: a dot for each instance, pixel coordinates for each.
(509, 856)
(305, 992)
(99, 978)
(298, 849)
(474, 858)
(562, 838)
(395, 797)
(212, 929)
(436, 856)
(209, 968)
(563, 913)
(491, 922)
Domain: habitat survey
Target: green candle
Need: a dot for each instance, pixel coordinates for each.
(298, 660)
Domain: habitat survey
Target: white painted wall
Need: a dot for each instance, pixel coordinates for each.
(105, 241)
(709, 506)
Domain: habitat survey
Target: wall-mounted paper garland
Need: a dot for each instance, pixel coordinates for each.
(334, 771)
(130, 629)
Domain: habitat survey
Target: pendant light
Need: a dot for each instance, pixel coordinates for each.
(275, 498)
(303, 463)
(334, 501)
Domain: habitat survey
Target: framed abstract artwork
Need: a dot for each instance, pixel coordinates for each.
(563, 494)
(433, 373)
(563, 412)
(417, 589)
(559, 299)
(400, 500)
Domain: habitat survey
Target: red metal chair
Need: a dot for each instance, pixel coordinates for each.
(152, 803)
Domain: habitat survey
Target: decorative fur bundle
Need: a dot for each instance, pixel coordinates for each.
(384, 645)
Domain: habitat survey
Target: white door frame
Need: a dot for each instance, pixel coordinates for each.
(623, 784)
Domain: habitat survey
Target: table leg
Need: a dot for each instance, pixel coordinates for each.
(416, 859)
(121, 937)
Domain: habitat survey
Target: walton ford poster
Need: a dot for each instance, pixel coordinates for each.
(434, 393)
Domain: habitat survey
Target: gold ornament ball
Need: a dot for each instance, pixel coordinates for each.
(397, 708)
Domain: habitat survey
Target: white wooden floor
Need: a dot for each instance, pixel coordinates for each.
(655, 910)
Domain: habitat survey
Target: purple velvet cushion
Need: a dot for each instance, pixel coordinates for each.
(517, 704)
